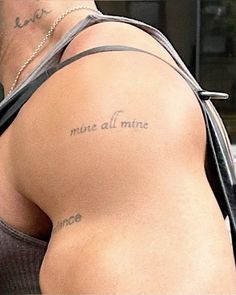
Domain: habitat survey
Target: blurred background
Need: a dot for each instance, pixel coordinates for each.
(204, 34)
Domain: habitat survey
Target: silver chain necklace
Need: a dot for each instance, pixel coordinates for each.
(45, 39)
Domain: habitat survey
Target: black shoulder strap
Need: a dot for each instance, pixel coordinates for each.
(220, 165)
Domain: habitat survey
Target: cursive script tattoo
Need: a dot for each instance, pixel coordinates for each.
(66, 222)
(112, 123)
(38, 14)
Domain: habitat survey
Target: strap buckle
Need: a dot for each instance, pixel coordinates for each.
(207, 95)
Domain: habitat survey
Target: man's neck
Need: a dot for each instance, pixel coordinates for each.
(24, 24)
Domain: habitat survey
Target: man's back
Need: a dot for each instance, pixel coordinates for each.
(111, 148)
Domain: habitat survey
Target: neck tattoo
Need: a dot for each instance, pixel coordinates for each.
(37, 15)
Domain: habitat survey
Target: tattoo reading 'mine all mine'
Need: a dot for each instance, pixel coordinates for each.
(66, 222)
(38, 14)
(112, 123)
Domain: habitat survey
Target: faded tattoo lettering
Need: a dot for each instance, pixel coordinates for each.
(66, 222)
(38, 14)
(112, 123)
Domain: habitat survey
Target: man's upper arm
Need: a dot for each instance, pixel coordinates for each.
(111, 152)
(120, 114)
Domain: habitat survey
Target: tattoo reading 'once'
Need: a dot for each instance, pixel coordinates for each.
(112, 123)
(66, 222)
(38, 14)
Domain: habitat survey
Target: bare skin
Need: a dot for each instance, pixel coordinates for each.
(20, 21)
(130, 205)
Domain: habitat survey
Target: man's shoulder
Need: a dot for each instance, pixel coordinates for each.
(103, 105)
